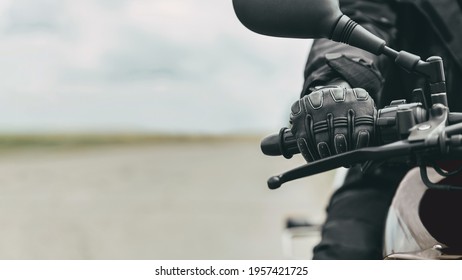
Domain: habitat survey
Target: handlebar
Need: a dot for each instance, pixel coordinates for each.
(393, 124)
(424, 137)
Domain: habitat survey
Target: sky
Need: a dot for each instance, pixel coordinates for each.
(149, 66)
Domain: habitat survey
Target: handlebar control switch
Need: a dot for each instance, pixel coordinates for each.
(394, 121)
(406, 121)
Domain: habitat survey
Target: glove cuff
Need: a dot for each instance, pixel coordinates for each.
(356, 72)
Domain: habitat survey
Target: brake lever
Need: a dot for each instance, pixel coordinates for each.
(396, 149)
(426, 135)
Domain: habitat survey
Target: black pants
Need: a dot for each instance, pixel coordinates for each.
(357, 213)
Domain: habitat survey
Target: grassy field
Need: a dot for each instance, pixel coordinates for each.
(54, 140)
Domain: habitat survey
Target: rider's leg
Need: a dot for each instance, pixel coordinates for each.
(356, 215)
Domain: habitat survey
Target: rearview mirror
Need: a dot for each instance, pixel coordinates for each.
(323, 19)
(289, 18)
(305, 19)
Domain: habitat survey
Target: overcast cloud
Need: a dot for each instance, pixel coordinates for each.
(174, 66)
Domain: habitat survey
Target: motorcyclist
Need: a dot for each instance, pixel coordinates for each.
(335, 75)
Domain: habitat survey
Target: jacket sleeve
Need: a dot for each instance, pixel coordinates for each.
(329, 60)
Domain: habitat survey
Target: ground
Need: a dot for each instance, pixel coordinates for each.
(182, 199)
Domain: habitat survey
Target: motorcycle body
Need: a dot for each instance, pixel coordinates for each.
(423, 223)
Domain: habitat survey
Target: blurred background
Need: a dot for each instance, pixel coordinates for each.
(131, 130)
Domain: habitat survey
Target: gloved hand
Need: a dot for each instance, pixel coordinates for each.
(333, 120)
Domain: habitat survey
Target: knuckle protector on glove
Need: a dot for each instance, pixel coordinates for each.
(333, 120)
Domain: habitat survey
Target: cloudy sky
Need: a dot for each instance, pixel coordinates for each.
(172, 66)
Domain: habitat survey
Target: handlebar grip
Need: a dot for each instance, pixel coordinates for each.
(283, 144)
(454, 117)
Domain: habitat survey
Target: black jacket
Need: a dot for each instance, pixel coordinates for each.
(422, 27)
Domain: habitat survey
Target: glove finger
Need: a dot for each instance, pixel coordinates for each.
(322, 132)
(364, 119)
(302, 129)
(339, 123)
(311, 103)
(323, 150)
(303, 147)
(324, 136)
(362, 139)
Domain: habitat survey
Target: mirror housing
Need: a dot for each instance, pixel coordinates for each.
(289, 18)
(309, 19)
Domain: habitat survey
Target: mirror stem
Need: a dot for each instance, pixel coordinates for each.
(390, 53)
(349, 32)
(432, 69)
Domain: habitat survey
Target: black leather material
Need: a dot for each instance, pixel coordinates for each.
(333, 120)
(445, 17)
(357, 72)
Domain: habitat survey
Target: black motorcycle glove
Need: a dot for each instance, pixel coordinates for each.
(333, 120)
